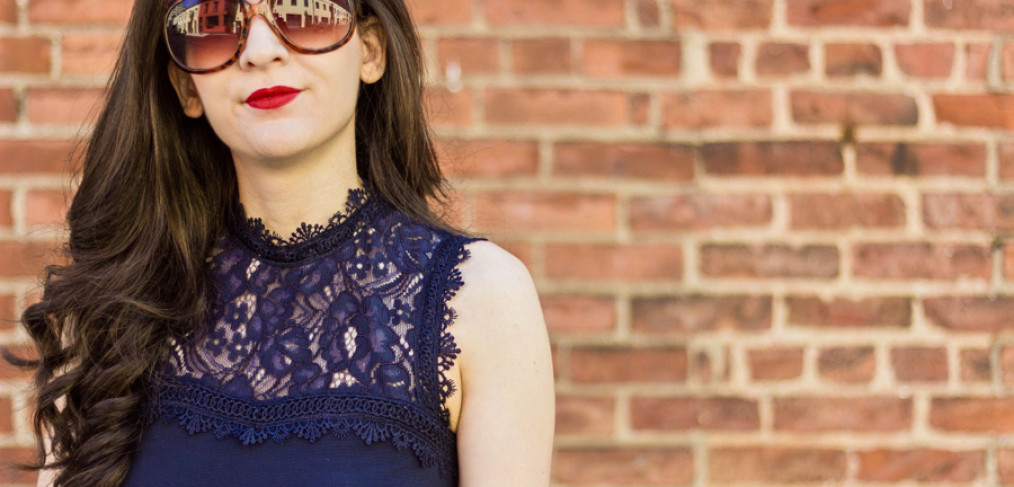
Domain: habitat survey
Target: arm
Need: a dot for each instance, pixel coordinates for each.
(505, 431)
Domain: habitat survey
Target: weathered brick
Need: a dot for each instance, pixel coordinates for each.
(843, 312)
(444, 12)
(978, 110)
(774, 464)
(972, 414)
(707, 413)
(648, 13)
(67, 106)
(26, 259)
(577, 313)
(622, 59)
(12, 373)
(703, 109)
(775, 363)
(8, 11)
(699, 211)
(969, 211)
(1007, 62)
(8, 106)
(6, 208)
(919, 364)
(6, 415)
(37, 156)
(921, 261)
(9, 312)
(107, 12)
(626, 466)
(1007, 365)
(542, 56)
(622, 365)
(853, 60)
(769, 261)
(724, 59)
(555, 107)
(46, 207)
(89, 54)
(847, 364)
(780, 58)
(530, 211)
(975, 365)
(586, 13)
(977, 63)
(843, 211)
(700, 314)
(861, 414)
(853, 108)
(970, 14)
(792, 158)
(871, 13)
(25, 54)
(10, 475)
(1005, 152)
(446, 108)
(925, 60)
(488, 158)
(473, 55)
(726, 15)
(972, 314)
(585, 415)
(921, 159)
(640, 262)
(1005, 465)
(922, 465)
(667, 162)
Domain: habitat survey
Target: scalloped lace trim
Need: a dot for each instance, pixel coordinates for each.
(373, 419)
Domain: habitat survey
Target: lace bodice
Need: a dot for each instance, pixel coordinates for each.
(340, 329)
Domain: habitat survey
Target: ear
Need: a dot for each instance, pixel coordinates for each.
(374, 42)
(183, 83)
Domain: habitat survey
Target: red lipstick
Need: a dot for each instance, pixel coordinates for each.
(271, 98)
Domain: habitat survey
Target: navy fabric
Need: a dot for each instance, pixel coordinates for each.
(323, 362)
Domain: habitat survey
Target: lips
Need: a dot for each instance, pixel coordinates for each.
(271, 98)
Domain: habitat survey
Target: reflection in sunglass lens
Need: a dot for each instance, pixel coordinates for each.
(204, 34)
(313, 24)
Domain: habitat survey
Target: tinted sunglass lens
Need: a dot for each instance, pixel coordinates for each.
(204, 34)
(313, 24)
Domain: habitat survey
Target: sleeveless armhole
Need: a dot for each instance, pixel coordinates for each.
(437, 350)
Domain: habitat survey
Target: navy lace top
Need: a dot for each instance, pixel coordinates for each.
(323, 364)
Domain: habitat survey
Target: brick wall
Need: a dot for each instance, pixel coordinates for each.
(772, 237)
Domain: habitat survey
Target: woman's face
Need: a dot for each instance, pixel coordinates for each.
(324, 87)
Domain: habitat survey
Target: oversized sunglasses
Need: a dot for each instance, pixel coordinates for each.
(205, 36)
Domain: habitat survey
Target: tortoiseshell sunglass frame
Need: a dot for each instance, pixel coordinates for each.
(262, 8)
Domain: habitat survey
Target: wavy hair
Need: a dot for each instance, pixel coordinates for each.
(155, 190)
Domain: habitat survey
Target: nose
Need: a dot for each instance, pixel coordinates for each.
(262, 46)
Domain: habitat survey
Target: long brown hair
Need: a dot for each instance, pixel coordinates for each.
(156, 187)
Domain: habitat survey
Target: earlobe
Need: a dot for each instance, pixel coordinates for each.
(374, 44)
(183, 83)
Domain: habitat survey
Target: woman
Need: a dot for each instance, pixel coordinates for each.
(187, 343)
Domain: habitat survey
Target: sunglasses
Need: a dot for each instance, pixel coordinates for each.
(205, 36)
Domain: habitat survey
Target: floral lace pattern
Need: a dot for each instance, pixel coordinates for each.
(343, 329)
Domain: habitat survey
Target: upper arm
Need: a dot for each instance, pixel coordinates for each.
(505, 431)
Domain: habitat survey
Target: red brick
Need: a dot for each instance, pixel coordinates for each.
(793, 158)
(1007, 365)
(71, 106)
(853, 60)
(12, 373)
(775, 363)
(25, 54)
(488, 158)
(621, 59)
(769, 261)
(8, 474)
(699, 211)
(970, 14)
(521, 250)
(977, 62)
(921, 465)
(6, 415)
(584, 13)
(641, 262)
(26, 259)
(861, 414)
(640, 105)
(8, 11)
(969, 211)
(922, 159)
(680, 414)
(9, 312)
(843, 211)
(1008, 61)
(1006, 155)
(622, 365)
(975, 365)
(1005, 466)
(980, 110)
(881, 312)
(115, 12)
(724, 58)
(1008, 260)
(585, 415)
(919, 364)
(648, 13)
(556, 107)
(547, 212)
(921, 261)
(847, 364)
(774, 464)
(972, 314)
(444, 12)
(726, 109)
(726, 15)
(972, 414)
(667, 162)
(925, 60)
(627, 466)
(542, 56)
(6, 208)
(700, 314)
(87, 54)
(779, 58)
(871, 13)
(585, 314)
(446, 108)
(472, 55)
(37, 156)
(854, 108)
(8, 106)
(46, 207)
